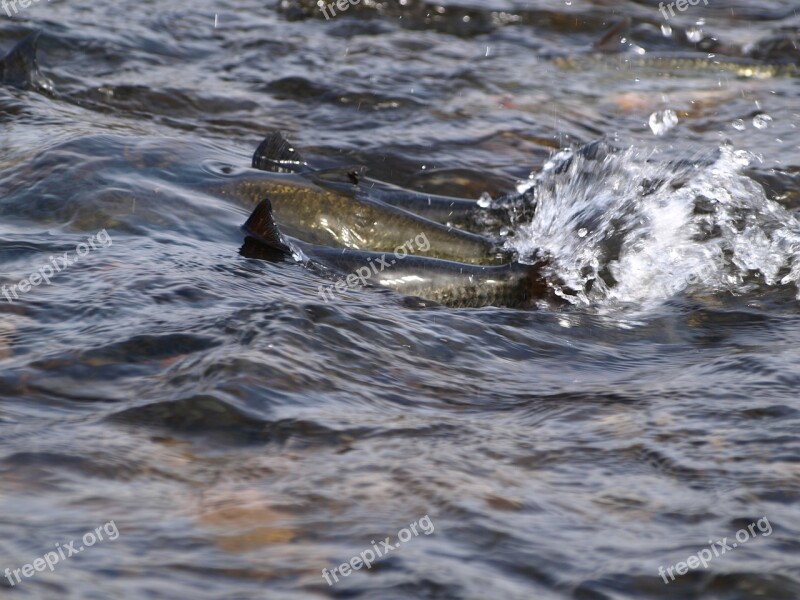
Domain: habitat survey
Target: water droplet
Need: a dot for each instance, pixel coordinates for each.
(739, 125)
(761, 121)
(695, 34)
(662, 121)
(666, 30)
(582, 232)
(505, 231)
(742, 158)
(485, 201)
(524, 186)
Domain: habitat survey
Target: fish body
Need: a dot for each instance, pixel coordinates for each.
(678, 63)
(365, 220)
(457, 212)
(321, 216)
(340, 208)
(445, 282)
(776, 56)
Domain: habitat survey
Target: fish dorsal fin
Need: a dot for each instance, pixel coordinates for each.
(261, 226)
(612, 40)
(276, 154)
(20, 68)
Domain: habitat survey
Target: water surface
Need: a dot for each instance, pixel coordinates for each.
(244, 435)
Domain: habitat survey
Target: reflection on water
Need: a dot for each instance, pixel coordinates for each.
(244, 436)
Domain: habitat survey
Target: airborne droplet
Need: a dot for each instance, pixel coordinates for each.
(761, 121)
(662, 121)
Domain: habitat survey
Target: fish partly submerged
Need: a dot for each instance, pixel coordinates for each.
(20, 68)
(776, 56)
(327, 217)
(276, 154)
(445, 282)
(680, 63)
(329, 208)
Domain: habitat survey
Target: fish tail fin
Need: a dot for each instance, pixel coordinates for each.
(276, 154)
(261, 227)
(20, 68)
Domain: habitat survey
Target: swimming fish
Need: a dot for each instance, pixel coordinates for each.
(328, 217)
(276, 154)
(328, 208)
(775, 56)
(679, 63)
(445, 282)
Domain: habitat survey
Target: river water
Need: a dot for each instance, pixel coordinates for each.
(246, 437)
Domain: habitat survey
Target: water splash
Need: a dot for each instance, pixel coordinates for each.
(627, 228)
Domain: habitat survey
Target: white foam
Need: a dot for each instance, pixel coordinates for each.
(703, 226)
